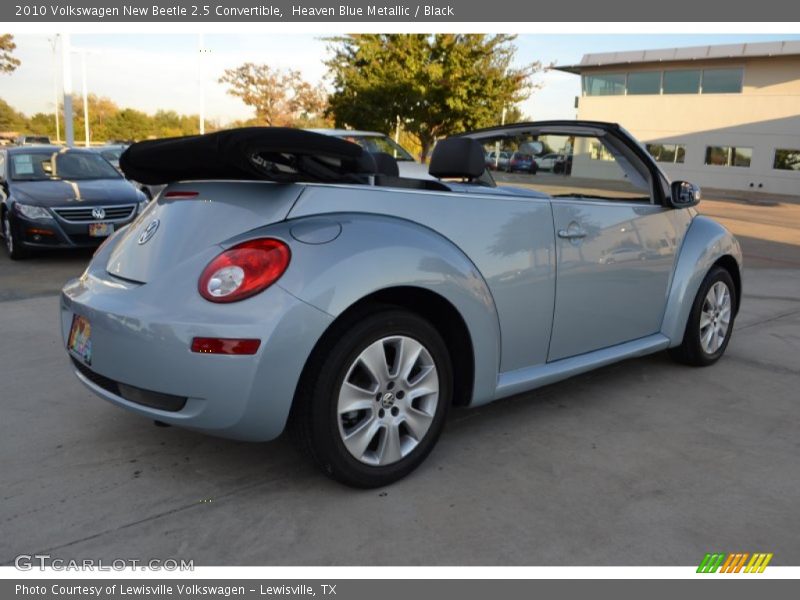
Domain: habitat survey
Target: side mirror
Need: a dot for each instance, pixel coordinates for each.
(684, 194)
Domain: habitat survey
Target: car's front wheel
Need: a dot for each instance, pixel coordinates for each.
(13, 249)
(373, 400)
(710, 323)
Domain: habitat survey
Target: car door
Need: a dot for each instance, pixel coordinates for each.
(615, 242)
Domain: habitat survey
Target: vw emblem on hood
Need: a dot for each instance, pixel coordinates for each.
(98, 213)
(149, 231)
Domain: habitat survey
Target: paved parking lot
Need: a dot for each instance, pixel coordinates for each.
(643, 462)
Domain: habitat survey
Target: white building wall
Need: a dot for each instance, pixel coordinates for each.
(764, 116)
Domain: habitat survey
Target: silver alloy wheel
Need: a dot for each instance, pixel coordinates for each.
(715, 317)
(7, 234)
(388, 400)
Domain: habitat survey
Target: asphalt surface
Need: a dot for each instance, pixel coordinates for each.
(641, 463)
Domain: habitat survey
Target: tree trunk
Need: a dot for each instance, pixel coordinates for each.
(426, 144)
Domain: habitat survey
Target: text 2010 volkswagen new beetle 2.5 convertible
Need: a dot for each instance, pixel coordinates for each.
(289, 278)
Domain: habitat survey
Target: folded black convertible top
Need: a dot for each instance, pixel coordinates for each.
(260, 153)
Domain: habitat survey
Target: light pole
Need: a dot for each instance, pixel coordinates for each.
(497, 144)
(85, 99)
(53, 41)
(66, 69)
(200, 52)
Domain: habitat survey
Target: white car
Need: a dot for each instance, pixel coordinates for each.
(547, 162)
(498, 162)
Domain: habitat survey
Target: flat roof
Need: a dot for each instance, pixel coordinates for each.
(664, 55)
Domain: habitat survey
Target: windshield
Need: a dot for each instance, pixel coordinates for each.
(48, 165)
(374, 143)
(111, 155)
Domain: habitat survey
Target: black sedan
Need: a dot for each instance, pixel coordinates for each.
(53, 197)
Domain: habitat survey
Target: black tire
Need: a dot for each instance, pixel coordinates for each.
(691, 351)
(13, 249)
(315, 420)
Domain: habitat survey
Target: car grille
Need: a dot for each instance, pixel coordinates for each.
(83, 214)
(130, 393)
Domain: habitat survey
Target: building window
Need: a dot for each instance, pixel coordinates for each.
(610, 84)
(787, 160)
(728, 156)
(682, 82)
(645, 82)
(722, 81)
(667, 153)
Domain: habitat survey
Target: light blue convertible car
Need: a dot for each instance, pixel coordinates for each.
(286, 277)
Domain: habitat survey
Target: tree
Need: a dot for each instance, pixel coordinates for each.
(101, 111)
(42, 124)
(10, 119)
(279, 97)
(7, 61)
(128, 123)
(438, 85)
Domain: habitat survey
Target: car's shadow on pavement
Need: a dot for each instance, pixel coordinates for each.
(41, 274)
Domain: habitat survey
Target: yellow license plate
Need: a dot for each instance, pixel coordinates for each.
(80, 339)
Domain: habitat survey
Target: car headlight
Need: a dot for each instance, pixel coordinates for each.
(32, 212)
(142, 205)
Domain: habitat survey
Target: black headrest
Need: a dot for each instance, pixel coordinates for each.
(457, 157)
(385, 164)
(364, 164)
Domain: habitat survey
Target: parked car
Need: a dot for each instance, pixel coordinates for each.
(548, 161)
(280, 280)
(112, 152)
(497, 161)
(521, 162)
(61, 198)
(33, 140)
(563, 164)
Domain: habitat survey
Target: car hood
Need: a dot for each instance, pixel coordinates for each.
(60, 192)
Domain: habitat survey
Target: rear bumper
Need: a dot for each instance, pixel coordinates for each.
(141, 336)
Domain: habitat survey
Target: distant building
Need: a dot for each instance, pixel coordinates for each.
(725, 116)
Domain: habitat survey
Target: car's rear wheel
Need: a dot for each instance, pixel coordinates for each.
(374, 398)
(13, 249)
(710, 323)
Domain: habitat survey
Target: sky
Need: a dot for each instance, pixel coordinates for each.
(154, 71)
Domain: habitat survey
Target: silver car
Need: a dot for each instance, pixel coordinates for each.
(290, 278)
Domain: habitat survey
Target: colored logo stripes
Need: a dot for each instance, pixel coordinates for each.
(734, 562)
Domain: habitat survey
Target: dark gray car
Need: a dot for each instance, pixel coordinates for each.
(53, 197)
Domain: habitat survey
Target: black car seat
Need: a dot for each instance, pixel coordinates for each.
(458, 158)
(385, 164)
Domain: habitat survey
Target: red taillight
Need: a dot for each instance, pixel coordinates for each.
(244, 270)
(178, 194)
(225, 346)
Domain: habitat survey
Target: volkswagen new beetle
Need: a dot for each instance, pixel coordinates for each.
(289, 278)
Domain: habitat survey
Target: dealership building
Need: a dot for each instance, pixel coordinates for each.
(725, 116)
